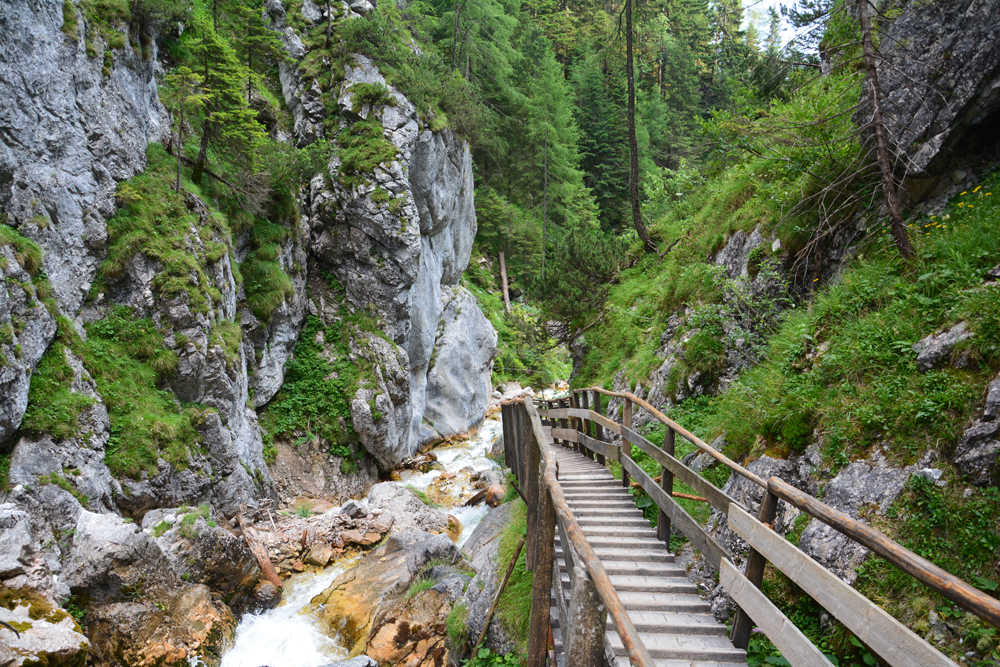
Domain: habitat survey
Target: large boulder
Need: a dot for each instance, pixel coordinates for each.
(350, 605)
(407, 510)
(46, 635)
(978, 453)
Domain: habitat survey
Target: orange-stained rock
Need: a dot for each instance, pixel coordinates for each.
(454, 528)
(190, 625)
(411, 632)
(495, 495)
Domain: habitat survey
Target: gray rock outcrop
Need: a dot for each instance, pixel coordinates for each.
(978, 453)
(945, 91)
(935, 348)
(72, 134)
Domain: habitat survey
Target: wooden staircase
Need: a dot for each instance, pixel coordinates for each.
(674, 623)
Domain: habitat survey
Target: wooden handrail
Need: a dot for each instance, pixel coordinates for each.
(969, 598)
(637, 653)
(684, 433)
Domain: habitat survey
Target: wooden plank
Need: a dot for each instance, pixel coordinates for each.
(795, 647)
(605, 449)
(605, 422)
(566, 413)
(888, 638)
(565, 434)
(945, 583)
(754, 572)
(705, 543)
(714, 494)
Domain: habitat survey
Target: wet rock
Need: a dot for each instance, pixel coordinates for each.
(48, 636)
(495, 495)
(202, 552)
(174, 632)
(359, 661)
(348, 607)
(319, 555)
(412, 632)
(309, 471)
(932, 350)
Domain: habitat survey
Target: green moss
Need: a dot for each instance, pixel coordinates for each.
(228, 336)
(156, 221)
(53, 407)
(160, 528)
(4, 472)
(264, 278)
(69, 19)
(370, 94)
(59, 480)
(39, 609)
(127, 359)
(26, 252)
(187, 521)
(419, 585)
(363, 147)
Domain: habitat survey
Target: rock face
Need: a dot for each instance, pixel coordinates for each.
(71, 135)
(47, 636)
(397, 240)
(978, 453)
(946, 91)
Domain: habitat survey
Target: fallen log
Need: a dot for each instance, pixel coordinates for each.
(258, 551)
(675, 494)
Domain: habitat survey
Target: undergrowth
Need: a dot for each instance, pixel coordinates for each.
(514, 608)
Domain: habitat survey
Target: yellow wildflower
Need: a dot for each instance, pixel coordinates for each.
(977, 189)
(962, 193)
(971, 206)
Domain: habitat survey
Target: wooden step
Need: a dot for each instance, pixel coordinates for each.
(668, 622)
(684, 647)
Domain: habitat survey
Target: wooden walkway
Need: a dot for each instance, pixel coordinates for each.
(675, 624)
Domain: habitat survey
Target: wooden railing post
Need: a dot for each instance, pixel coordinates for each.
(626, 451)
(541, 587)
(587, 622)
(531, 488)
(742, 623)
(564, 423)
(667, 484)
(585, 395)
(598, 429)
(505, 434)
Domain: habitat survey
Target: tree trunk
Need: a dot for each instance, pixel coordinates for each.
(180, 144)
(545, 183)
(454, 40)
(199, 163)
(881, 144)
(503, 283)
(633, 184)
(329, 24)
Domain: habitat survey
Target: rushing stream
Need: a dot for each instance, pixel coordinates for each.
(287, 636)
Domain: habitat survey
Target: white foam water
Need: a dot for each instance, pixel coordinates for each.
(288, 636)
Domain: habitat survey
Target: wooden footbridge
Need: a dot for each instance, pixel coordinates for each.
(606, 588)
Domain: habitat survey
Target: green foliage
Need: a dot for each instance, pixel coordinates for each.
(514, 608)
(363, 147)
(160, 528)
(525, 351)
(265, 281)
(419, 585)
(315, 397)
(423, 497)
(4, 472)
(846, 365)
(53, 406)
(486, 658)
(26, 252)
(187, 522)
(60, 480)
(455, 626)
(303, 510)
(126, 357)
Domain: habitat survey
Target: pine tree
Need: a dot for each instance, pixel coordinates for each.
(183, 94)
(633, 183)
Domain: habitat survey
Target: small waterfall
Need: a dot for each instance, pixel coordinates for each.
(287, 636)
